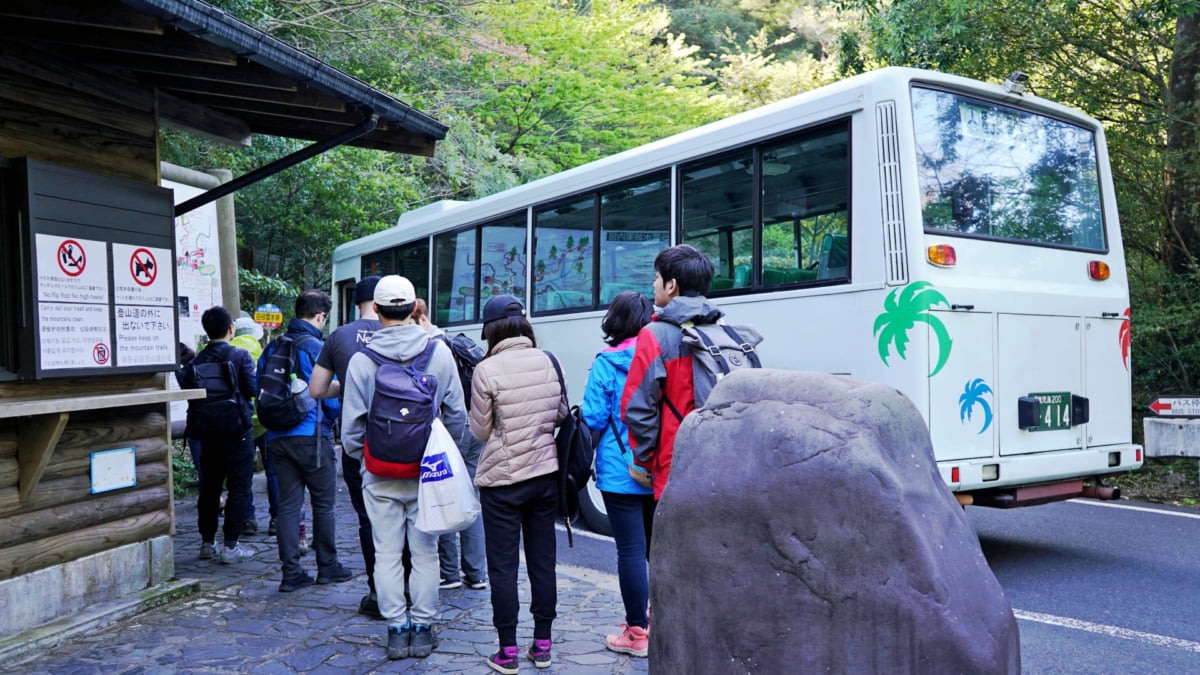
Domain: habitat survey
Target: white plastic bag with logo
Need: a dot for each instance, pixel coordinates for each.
(446, 499)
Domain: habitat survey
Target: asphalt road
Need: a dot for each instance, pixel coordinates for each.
(1097, 587)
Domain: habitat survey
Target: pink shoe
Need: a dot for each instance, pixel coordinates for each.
(634, 640)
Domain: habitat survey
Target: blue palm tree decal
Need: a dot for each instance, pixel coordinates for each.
(973, 394)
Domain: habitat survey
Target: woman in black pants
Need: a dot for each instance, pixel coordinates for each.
(516, 403)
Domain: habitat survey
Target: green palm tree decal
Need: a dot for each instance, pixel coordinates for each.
(903, 308)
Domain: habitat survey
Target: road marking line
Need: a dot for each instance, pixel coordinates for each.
(1111, 631)
(1131, 507)
(583, 533)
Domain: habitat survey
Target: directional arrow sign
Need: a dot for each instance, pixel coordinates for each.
(1176, 407)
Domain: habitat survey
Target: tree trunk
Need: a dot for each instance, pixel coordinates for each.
(1183, 148)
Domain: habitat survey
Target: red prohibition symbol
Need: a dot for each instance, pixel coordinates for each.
(143, 267)
(71, 258)
(100, 353)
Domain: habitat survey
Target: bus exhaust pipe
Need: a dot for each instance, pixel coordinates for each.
(1101, 492)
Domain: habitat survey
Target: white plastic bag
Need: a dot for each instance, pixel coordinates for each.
(446, 499)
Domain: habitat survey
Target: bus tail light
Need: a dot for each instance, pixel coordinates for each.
(1098, 270)
(942, 255)
(954, 475)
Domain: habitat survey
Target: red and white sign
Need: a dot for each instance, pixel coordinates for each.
(72, 259)
(1177, 406)
(143, 267)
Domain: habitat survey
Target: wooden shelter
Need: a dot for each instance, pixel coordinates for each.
(86, 85)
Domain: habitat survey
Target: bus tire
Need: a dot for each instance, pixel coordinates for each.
(591, 506)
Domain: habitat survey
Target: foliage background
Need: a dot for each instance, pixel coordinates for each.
(532, 87)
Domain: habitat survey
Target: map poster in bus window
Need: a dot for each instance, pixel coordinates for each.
(144, 294)
(73, 309)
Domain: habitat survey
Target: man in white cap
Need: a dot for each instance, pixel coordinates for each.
(392, 503)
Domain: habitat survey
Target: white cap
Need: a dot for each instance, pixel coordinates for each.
(394, 291)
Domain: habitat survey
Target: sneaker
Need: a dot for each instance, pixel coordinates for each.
(634, 640)
(295, 584)
(448, 584)
(506, 661)
(539, 653)
(424, 639)
(271, 528)
(477, 585)
(250, 527)
(369, 606)
(236, 554)
(399, 641)
(337, 576)
(208, 550)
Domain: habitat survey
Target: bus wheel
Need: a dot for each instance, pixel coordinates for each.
(591, 506)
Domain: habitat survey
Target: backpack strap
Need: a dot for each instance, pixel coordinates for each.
(562, 383)
(421, 363)
(620, 444)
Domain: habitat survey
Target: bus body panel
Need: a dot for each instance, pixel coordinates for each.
(962, 413)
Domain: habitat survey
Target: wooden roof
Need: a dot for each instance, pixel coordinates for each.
(215, 75)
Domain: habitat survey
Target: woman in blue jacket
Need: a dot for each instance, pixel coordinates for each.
(625, 487)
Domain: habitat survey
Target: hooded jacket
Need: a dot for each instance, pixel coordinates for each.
(327, 409)
(401, 343)
(661, 372)
(602, 402)
(516, 403)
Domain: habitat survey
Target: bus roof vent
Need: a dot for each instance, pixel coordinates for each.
(890, 200)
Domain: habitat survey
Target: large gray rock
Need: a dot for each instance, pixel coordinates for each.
(805, 529)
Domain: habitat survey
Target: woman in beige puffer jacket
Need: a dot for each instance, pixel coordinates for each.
(516, 403)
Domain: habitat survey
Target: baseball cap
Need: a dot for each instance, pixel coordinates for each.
(244, 325)
(499, 307)
(394, 291)
(364, 290)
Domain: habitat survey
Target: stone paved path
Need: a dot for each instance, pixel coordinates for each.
(239, 622)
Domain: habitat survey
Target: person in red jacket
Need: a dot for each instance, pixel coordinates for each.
(658, 393)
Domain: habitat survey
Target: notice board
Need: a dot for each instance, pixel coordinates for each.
(98, 289)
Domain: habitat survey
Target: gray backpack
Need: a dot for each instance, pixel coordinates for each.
(718, 349)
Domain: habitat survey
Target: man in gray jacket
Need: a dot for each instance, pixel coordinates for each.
(392, 504)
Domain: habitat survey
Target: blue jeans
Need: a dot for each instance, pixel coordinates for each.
(305, 462)
(474, 554)
(225, 463)
(632, 517)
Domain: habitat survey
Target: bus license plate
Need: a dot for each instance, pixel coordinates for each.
(1055, 410)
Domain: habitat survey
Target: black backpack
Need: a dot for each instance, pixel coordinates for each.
(576, 451)
(467, 355)
(221, 414)
(400, 416)
(280, 406)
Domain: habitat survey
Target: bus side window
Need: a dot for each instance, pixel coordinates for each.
(834, 257)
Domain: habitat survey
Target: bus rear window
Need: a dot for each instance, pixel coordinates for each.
(988, 170)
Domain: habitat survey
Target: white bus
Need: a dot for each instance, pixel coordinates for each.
(954, 239)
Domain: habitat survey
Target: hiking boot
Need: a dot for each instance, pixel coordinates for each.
(506, 661)
(539, 653)
(208, 550)
(250, 527)
(399, 641)
(634, 640)
(369, 606)
(448, 584)
(295, 584)
(477, 585)
(236, 554)
(336, 576)
(424, 639)
(271, 528)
